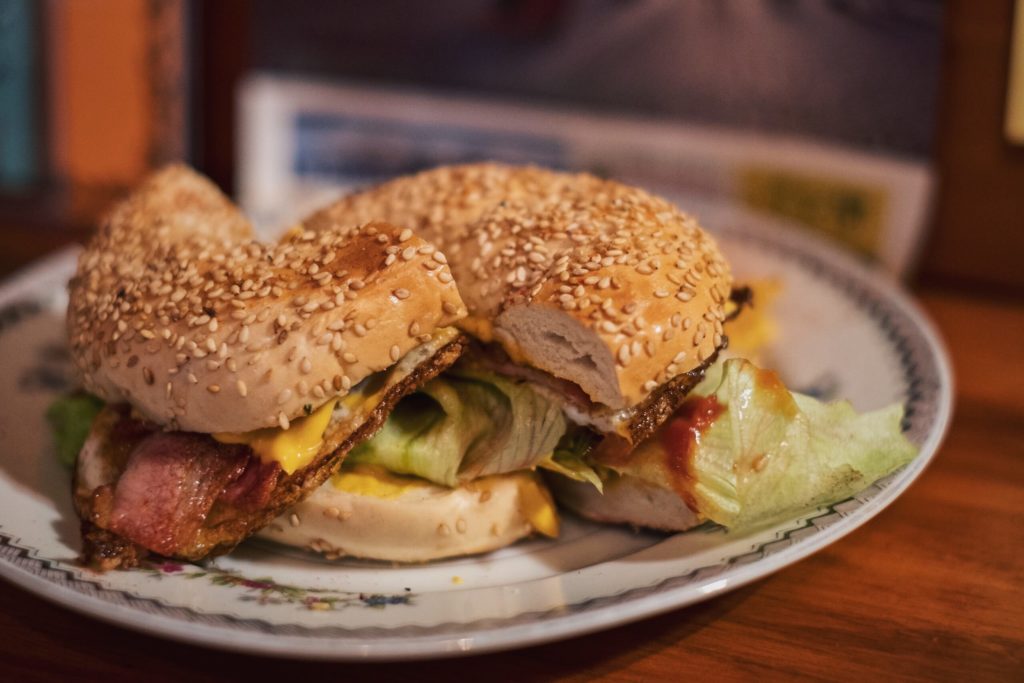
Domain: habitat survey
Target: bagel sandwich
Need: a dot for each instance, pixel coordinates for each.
(235, 375)
(610, 306)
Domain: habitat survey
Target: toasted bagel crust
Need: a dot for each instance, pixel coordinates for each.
(593, 281)
(178, 310)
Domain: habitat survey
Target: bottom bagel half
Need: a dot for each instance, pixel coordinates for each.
(367, 512)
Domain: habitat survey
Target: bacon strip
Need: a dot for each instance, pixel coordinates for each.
(169, 485)
(253, 488)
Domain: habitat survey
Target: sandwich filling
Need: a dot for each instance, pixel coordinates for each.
(187, 494)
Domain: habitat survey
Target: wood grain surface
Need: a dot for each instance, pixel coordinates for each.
(931, 589)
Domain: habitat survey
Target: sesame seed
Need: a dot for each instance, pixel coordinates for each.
(396, 353)
(306, 366)
(660, 293)
(623, 355)
(444, 530)
(243, 390)
(449, 308)
(213, 388)
(282, 421)
(401, 293)
(405, 235)
(284, 396)
(408, 253)
(460, 525)
(684, 295)
(294, 520)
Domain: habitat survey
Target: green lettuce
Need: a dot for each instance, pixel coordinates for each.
(761, 452)
(71, 418)
(464, 425)
(570, 457)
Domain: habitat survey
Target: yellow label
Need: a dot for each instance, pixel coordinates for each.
(847, 211)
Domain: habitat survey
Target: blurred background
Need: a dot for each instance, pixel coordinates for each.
(893, 127)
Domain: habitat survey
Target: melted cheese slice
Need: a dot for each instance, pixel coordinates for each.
(292, 448)
(535, 502)
(297, 446)
(375, 481)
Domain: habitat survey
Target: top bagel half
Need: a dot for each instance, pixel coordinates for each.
(178, 310)
(590, 280)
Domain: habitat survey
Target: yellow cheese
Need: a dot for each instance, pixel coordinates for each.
(755, 327)
(375, 481)
(536, 504)
(481, 328)
(292, 448)
(296, 446)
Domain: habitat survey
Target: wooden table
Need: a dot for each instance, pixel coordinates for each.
(933, 588)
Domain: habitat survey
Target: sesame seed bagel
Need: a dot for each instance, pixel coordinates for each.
(176, 308)
(591, 280)
(413, 521)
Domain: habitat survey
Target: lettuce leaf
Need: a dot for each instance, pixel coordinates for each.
(570, 457)
(757, 452)
(463, 425)
(71, 418)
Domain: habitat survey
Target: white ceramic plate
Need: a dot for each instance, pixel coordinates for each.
(846, 331)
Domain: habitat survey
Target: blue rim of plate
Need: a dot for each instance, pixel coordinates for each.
(928, 399)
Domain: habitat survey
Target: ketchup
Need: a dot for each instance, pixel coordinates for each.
(678, 437)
